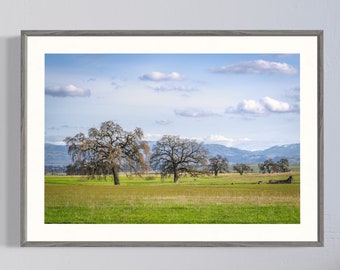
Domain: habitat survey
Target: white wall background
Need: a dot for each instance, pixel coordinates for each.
(16, 15)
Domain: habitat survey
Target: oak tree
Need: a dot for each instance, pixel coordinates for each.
(174, 155)
(269, 166)
(241, 168)
(109, 147)
(218, 164)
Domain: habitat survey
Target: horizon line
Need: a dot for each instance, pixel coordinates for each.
(262, 149)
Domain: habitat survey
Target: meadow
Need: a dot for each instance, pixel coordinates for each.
(229, 198)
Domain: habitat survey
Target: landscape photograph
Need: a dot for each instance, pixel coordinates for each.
(172, 138)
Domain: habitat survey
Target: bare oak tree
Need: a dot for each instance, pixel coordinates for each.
(241, 168)
(174, 155)
(218, 164)
(269, 166)
(110, 147)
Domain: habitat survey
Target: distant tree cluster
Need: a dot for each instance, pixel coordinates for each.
(270, 166)
(241, 168)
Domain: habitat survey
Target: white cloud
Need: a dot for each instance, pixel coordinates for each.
(264, 106)
(168, 88)
(257, 67)
(160, 76)
(247, 106)
(245, 139)
(153, 136)
(193, 112)
(67, 91)
(220, 138)
(227, 141)
(242, 142)
(274, 105)
(163, 122)
(59, 143)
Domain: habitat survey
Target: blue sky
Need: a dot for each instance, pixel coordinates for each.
(249, 101)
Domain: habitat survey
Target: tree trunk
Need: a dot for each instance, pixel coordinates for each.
(115, 175)
(216, 173)
(176, 177)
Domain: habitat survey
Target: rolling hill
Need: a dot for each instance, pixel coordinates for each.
(56, 155)
(235, 155)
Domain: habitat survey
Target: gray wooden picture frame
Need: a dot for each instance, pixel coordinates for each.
(252, 33)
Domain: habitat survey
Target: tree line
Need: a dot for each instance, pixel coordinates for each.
(110, 150)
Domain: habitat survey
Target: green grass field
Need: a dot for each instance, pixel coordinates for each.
(226, 199)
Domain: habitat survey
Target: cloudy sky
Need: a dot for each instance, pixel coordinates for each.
(249, 101)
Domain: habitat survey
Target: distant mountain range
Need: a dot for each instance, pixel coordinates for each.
(235, 155)
(56, 155)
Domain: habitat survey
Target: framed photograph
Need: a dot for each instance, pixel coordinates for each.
(172, 138)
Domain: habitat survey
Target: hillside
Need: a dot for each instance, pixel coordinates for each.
(56, 155)
(235, 155)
